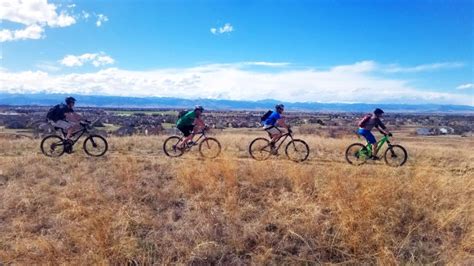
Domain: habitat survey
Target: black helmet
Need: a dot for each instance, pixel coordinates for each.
(199, 107)
(378, 111)
(69, 100)
(279, 106)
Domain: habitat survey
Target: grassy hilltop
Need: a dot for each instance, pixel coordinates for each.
(136, 205)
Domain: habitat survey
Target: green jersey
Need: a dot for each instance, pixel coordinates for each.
(187, 119)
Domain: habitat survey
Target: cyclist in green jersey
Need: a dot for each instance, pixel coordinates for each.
(188, 124)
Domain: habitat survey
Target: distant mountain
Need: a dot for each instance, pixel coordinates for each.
(164, 102)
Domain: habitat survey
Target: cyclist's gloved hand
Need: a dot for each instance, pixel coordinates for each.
(390, 134)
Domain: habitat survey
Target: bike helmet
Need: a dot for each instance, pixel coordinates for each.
(69, 100)
(378, 111)
(279, 106)
(199, 107)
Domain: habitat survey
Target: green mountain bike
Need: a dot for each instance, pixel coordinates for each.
(358, 153)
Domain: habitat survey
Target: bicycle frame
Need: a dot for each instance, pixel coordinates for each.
(202, 135)
(380, 143)
(284, 136)
(81, 132)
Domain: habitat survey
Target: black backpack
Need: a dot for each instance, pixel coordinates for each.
(182, 113)
(54, 113)
(266, 115)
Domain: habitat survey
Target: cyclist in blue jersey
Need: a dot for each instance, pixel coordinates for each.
(274, 125)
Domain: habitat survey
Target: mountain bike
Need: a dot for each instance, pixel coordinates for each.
(395, 155)
(208, 147)
(55, 146)
(296, 150)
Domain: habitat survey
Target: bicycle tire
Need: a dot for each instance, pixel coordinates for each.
(172, 151)
(94, 143)
(402, 152)
(264, 145)
(305, 153)
(205, 143)
(59, 143)
(349, 152)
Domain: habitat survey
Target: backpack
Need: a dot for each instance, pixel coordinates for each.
(54, 113)
(266, 115)
(182, 113)
(364, 120)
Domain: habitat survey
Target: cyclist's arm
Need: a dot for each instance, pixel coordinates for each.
(281, 123)
(73, 117)
(382, 128)
(199, 122)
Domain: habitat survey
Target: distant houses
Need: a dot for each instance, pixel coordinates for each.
(127, 122)
(424, 131)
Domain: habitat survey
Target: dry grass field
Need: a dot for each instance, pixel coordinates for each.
(137, 206)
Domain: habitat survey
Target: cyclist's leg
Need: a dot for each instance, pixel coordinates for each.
(274, 132)
(188, 135)
(370, 139)
(65, 126)
(73, 127)
(67, 129)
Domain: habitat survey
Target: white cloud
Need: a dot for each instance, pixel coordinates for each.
(96, 59)
(31, 32)
(232, 81)
(101, 18)
(421, 68)
(465, 86)
(85, 14)
(372, 66)
(359, 67)
(227, 28)
(267, 64)
(63, 20)
(35, 15)
(48, 66)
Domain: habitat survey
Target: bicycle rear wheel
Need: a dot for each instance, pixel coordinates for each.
(95, 145)
(210, 148)
(357, 154)
(395, 156)
(52, 146)
(260, 149)
(297, 150)
(170, 147)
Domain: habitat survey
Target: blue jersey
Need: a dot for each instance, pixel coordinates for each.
(272, 119)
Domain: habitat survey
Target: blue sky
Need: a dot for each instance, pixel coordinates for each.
(328, 51)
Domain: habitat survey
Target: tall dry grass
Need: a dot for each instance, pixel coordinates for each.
(137, 206)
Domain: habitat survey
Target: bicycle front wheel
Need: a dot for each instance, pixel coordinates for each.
(297, 150)
(52, 146)
(95, 145)
(260, 149)
(210, 148)
(357, 154)
(395, 156)
(170, 147)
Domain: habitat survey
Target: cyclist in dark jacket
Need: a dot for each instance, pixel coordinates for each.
(66, 118)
